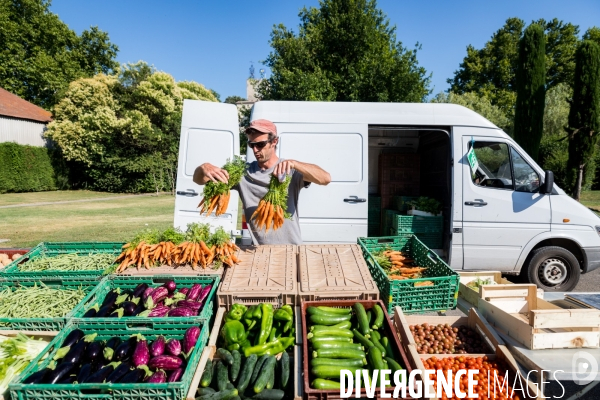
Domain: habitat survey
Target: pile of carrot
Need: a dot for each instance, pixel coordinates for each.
(399, 267)
(218, 204)
(217, 194)
(270, 212)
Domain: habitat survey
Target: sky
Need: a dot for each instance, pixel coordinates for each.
(215, 42)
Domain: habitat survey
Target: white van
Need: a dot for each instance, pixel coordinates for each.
(507, 216)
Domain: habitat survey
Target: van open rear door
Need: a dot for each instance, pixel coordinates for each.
(209, 133)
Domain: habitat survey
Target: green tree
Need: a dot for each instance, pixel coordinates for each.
(584, 116)
(40, 55)
(491, 70)
(234, 99)
(481, 105)
(345, 50)
(531, 91)
(121, 132)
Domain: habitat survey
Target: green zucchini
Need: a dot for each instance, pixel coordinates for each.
(347, 362)
(235, 366)
(207, 375)
(264, 374)
(362, 340)
(322, 319)
(246, 372)
(339, 353)
(387, 344)
(369, 316)
(330, 371)
(361, 316)
(224, 354)
(258, 367)
(285, 369)
(205, 390)
(375, 358)
(341, 325)
(378, 323)
(377, 344)
(325, 384)
(375, 334)
(229, 386)
(269, 394)
(335, 332)
(271, 380)
(222, 376)
(220, 395)
(392, 364)
(325, 339)
(335, 310)
(337, 345)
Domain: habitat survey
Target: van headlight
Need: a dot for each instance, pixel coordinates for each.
(598, 229)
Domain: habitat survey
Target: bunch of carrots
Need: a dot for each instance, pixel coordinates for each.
(177, 249)
(399, 267)
(216, 194)
(271, 210)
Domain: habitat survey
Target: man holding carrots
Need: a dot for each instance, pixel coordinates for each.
(263, 139)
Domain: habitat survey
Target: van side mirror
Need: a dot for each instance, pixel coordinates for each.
(548, 185)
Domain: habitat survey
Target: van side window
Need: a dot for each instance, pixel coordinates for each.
(526, 179)
(494, 166)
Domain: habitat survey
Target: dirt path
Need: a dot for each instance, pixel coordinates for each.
(49, 203)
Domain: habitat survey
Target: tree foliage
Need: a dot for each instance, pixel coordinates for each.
(345, 50)
(121, 132)
(531, 90)
(584, 115)
(40, 55)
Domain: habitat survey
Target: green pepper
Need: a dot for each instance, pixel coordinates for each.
(287, 308)
(234, 346)
(257, 314)
(236, 313)
(233, 332)
(272, 348)
(266, 323)
(282, 315)
(244, 344)
(276, 331)
(287, 326)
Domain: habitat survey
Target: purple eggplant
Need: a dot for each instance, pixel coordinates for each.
(194, 292)
(173, 347)
(176, 375)
(184, 291)
(93, 352)
(204, 293)
(182, 312)
(194, 305)
(110, 348)
(158, 295)
(119, 372)
(189, 339)
(85, 371)
(171, 286)
(147, 293)
(157, 347)
(61, 371)
(141, 354)
(73, 337)
(139, 290)
(158, 377)
(159, 311)
(167, 363)
(128, 308)
(37, 377)
(125, 350)
(101, 375)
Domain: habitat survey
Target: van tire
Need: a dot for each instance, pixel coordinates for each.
(553, 269)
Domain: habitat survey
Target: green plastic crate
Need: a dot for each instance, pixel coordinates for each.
(53, 249)
(401, 202)
(403, 293)
(149, 328)
(130, 282)
(45, 324)
(428, 229)
(388, 221)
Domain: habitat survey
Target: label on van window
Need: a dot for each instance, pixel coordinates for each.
(472, 159)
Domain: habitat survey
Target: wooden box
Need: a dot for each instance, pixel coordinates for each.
(537, 324)
(471, 295)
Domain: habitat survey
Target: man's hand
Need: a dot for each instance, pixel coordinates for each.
(284, 167)
(208, 172)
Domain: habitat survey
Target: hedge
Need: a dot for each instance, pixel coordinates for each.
(25, 168)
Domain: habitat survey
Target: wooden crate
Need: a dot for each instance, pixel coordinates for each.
(471, 295)
(474, 321)
(537, 324)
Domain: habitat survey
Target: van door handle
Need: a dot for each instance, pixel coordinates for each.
(354, 199)
(188, 193)
(475, 203)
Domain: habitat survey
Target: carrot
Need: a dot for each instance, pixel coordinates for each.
(235, 259)
(126, 246)
(204, 247)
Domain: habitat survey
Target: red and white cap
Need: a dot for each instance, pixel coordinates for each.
(262, 126)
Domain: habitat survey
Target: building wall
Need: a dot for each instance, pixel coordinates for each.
(22, 131)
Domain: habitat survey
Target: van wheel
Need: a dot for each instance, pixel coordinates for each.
(554, 269)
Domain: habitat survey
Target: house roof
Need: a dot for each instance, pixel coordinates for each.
(12, 105)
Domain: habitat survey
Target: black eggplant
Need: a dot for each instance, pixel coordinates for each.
(91, 313)
(128, 308)
(138, 309)
(61, 371)
(110, 298)
(135, 376)
(118, 313)
(73, 337)
(139, 290)
(119, 372)
(75, 354)
(36, 377)
(110, 348)
(84, 372)
(100, 375)
(93, 352)
(125, 350)
(105, 310)
(68, 380)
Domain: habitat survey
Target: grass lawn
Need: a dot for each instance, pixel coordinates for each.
(109, 220)
(591, 199)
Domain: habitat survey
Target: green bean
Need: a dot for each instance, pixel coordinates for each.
(69, 262)
(38, 302)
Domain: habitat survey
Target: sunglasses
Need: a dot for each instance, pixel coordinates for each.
(258, 145)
